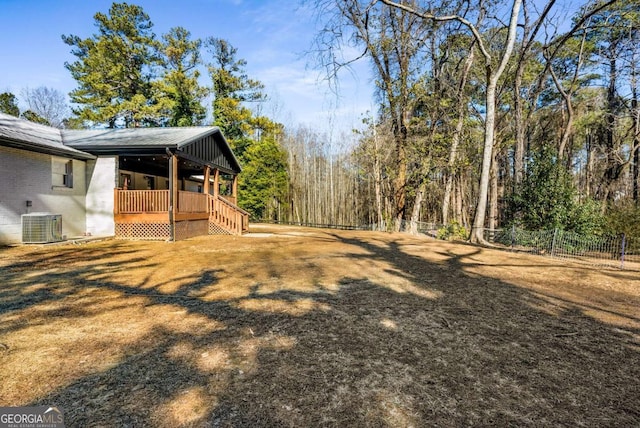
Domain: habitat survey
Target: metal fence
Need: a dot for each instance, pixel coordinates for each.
(606, 251)
(619, 252)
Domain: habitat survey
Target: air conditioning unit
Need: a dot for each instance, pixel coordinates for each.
(41, 228)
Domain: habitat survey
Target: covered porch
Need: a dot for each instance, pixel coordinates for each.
(171, 183)
(191, 205)
(147, 214)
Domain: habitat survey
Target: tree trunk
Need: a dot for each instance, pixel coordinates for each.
(589, 171)
(400, 183)
(566, 133)
(567, 96)
(610, 135)
(458, 201)
(489, 126)
(493, 194)
(636, 167)
(417, 205)
(613, 168)
(447, 197)
(377, 180)
(635, 112)
(477, 235)
(520, 129)
(457, 135)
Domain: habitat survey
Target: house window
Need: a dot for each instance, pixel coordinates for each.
(67, 179)
(151, 182)
(125, 181)
(61, 173)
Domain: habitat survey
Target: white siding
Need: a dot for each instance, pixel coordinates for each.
(27, 176)
(102, 178)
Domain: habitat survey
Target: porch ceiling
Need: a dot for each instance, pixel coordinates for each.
(159, 166)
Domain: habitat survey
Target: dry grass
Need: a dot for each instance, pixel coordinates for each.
(303, 327)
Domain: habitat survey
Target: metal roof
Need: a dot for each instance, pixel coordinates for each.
(204, 143)
(22, 134)
(134, 137)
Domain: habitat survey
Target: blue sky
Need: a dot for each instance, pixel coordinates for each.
(270, 35)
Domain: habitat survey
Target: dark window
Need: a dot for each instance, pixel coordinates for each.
(67, 179)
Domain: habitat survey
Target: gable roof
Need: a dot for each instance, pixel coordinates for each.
(22, 134)
(204, 144)
(134, 138)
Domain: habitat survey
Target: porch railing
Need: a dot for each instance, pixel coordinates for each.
(229, 198)
(221, 211)
(141, 201)
(228, 215)
(191, 202)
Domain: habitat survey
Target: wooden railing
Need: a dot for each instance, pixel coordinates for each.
(228, 216)
(191, 202)
(140, 201)
(221, 211)
(229, 198)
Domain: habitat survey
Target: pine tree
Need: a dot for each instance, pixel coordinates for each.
(254, 138)
(181, 56)
(9, 104)
(231, 88)
(115, 68)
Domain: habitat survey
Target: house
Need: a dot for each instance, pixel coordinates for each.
(141, 183)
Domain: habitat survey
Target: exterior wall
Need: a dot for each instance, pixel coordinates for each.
(138, 181)
(192, 186)
(27, 176)
(102, 178)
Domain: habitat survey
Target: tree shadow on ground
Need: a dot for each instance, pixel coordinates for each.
(475, 351)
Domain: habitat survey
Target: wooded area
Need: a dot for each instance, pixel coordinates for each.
(489, 115)
(494, 115)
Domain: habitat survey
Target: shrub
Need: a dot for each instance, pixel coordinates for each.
(548, 199)
(624, 218)
(452, 231)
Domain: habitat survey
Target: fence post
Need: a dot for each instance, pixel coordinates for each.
(553, 243)
(513, 236)
(622, 251)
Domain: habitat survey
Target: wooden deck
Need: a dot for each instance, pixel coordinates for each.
(146, 214)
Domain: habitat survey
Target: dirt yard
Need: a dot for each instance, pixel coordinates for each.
(310, 327)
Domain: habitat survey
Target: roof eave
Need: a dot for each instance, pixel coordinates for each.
(128, 150)
(64, 152)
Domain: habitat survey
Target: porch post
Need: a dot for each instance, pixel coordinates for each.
(173, 194)
(216, 183)
(207, 176)
(234, 187)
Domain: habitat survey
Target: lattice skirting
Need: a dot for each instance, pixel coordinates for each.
(162, 231)
(214, 229)
(151, 231)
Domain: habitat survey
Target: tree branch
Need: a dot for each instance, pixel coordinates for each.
(444, 18)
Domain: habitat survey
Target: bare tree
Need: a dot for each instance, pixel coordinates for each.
(567, 96)
(49, 104)
(392, 40)
(530, 31)
(457, 134)
(493, 75)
